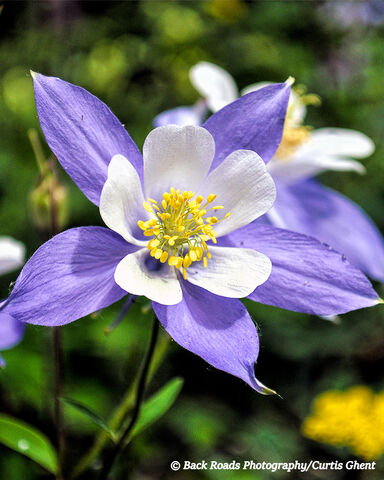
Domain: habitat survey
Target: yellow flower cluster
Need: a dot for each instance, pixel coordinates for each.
(353, 419)
(180, 228)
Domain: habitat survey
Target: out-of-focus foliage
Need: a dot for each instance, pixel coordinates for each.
(135, 56)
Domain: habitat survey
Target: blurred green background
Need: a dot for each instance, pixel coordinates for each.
(135, 56)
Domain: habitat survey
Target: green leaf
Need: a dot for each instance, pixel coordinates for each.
(91, 415)
(28, 441)
(157, 405)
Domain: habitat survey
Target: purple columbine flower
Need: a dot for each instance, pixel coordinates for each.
(170, 238)
(11, 257)
(303, 204)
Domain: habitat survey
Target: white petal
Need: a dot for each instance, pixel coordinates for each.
(178, 157)
(11, 254)
(121, 201)
(162, 286)
(231, 272)
(339, 142)
(214, 83)
(299, 167)
(243, 186)
(296, 109)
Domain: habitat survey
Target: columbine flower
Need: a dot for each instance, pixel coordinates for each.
(192, 187)
(302, 204)
(11, 257)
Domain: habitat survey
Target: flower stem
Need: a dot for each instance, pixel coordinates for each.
(57, 355)
(37, 150)
(121, 411)
(58, 387)
(138, 402)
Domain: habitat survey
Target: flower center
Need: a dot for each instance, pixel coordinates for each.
(295, 134)
(292, 139)
(181, 228)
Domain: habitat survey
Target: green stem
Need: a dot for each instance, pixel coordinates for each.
(58, 387)
(57, 340)
(142, 383)
(37, 150)
(121, 412)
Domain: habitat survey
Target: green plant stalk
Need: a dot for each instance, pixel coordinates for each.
(57, 340)
(37, 150)
(139, 397)
(119, 415)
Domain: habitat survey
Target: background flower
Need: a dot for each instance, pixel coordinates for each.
(11, 257)
(303, 205)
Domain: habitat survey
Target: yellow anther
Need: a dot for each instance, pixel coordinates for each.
(172, 261)
(187, 261)
(218, 207)
(164, 257)
(153, 243)
(152, 200)
(166, 196)
(172, 190)
(184, 273)
(209, 254)
(153, 252)
(158, 253)
(205, 262)
(148, 207)
(227, 215)
(141, 224)
(311, 99)
(171, 241)
(179, 262)
(212, 220)
(164, 204)
(199, 252)
(149, 233)
(180, 228)
(192, 255)
(211, 197)
(199, 199)
(152, 222)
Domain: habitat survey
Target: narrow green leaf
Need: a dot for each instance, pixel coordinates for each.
(28, 441)
(157, 405)
(91, 415)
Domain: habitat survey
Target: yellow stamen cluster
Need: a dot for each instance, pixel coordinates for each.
(292, 139)
(295, 135)
(353, 419)
(180, 228)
